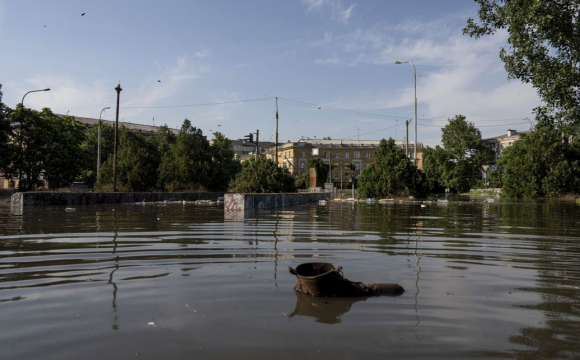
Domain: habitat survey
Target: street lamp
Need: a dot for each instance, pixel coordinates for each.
(22, 102)
(99, 142)
(415, 77)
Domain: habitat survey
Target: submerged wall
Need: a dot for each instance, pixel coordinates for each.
(90, 198)
(239, 202)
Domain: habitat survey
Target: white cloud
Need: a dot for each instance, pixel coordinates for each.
(87, 99)
(339, 11)
(455, 74)
(202, 54)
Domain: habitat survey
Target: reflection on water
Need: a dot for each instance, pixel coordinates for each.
(323, 310)
(498, 280)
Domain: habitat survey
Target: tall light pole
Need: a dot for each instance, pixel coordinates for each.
(31, 91)
(118, 89)
(99, 142)
(415, 77)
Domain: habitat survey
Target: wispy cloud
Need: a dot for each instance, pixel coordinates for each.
(339, 11)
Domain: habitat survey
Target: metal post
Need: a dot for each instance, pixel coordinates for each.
(407, 137)
(257, 141)
(99, 142)
(276, 146)
(118, 89)
(415, 80)
(415, 77)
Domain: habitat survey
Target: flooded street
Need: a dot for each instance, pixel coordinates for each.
(482, 280)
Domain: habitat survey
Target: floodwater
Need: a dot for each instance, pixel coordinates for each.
(482, 280)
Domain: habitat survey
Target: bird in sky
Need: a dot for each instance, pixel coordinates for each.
(83, 14)
(219, 125)
(158, 80)
(319, 108)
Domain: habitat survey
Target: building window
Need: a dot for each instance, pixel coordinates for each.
(346, 155)
(357, 154)
(335, 155)
(302, 165)
(346, 175)
(336, 175)
(302, 154)
(367, 155)
(325, 154)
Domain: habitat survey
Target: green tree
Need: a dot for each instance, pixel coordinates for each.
(392, 174)
(137, 163)
(225, 166)
(6, 149)
(322, 171)
(46, 147)
(63, 161)
(261, 175)
(540, 164)
(437, 167)
(459, 164)
(543, 47)
(89, 147)
(188, 163)
(163, 142)
(302, 181)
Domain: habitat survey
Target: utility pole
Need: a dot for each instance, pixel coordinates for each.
(99, 142)
(118, 89)
(407, 137)
(257, 141)
(276, 146)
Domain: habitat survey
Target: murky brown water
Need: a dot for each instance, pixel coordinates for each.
(498, 280)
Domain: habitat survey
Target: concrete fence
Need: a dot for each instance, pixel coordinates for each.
(89, 198)
(242, 202)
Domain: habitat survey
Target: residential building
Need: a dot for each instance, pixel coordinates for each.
(500, 142)
(341, 155)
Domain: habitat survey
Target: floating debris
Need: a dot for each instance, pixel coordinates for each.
(151, 323)
(70, 209)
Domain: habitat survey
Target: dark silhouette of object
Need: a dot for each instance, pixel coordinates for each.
(323, 310)
(158, 80)
(322, 279)
(83, 14)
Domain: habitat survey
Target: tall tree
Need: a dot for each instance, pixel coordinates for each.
(543, 47)
(137, 163)
(64, 158)
(225, 166)
(540, 165)
(392, 174)
(437, 167)
(5, 135)
(188, 165)
(462, 142)
(261, 175)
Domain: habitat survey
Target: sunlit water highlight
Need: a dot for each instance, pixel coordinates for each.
(499, 280)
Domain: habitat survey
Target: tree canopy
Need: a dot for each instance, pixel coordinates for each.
(5, 134)
(262, 175)
(458, 164)
(543, 47)
(540, 165)
(322, 171)
(392, 174)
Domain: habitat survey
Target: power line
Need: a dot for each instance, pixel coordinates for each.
(321, 107)
(439, 126)
(195, 105)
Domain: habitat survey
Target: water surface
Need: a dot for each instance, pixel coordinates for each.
(499, 280)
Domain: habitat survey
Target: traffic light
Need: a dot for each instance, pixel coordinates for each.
(249, 137)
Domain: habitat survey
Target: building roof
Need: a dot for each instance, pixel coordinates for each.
(322, 143)
(143, 129)
(504, 136)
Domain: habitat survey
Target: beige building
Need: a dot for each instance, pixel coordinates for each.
(339, 154)
(498, 143)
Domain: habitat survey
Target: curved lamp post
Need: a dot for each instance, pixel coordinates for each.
(99, 142)
(415, 77)
(31, 91)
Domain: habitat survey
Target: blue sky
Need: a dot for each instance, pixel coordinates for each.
(334, 54)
